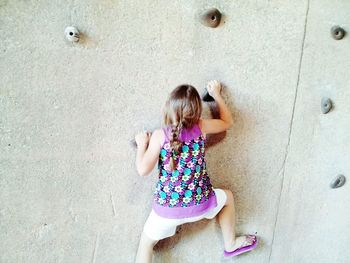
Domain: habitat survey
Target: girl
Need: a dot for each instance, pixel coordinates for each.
(184, 193)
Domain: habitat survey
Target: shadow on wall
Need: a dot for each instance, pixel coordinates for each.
(213, 139)
(237, 178)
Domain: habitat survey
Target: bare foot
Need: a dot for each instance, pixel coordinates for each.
(241, 241)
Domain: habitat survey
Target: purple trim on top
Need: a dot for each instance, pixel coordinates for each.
(184, 212)
(190, 134)
(185, 135)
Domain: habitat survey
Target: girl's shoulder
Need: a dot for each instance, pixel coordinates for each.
(159, 136)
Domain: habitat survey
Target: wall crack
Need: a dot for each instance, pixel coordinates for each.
(282, 169)
(96, 247)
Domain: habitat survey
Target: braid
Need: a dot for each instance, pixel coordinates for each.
(184, 108)
(175, 144)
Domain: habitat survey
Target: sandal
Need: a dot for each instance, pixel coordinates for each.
(249, 244)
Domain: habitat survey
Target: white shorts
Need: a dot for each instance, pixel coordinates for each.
(157, 227)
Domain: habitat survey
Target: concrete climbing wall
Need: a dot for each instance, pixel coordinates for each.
(313, 219)
(69, 191)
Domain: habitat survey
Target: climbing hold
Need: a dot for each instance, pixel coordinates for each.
(207, 97)
(326, 105)
(339, 181)
(337, 32)
(72, 34)
(211, 17)
(133, 143)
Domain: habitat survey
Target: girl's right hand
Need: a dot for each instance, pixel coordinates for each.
(214, 88)
(142, 138)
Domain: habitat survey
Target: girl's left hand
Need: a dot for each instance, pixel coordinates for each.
(142, 138)
(214, 88)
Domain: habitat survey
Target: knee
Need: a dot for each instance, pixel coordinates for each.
(229, 199)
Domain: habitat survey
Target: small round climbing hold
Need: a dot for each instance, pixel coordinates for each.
(72, 34)
(211, 18)
(337, 32)
(326, 105)
(337, 182)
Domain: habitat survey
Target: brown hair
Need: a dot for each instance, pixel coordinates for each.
(182, 109)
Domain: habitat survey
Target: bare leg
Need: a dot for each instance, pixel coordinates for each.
(227, 223)
(145, 250)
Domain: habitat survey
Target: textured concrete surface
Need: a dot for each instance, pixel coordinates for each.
(69, 191)
(313, 219)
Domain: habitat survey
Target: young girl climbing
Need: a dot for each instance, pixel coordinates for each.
(183, 192)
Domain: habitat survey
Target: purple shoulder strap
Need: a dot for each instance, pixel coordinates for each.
(186, 134)
(166, 131)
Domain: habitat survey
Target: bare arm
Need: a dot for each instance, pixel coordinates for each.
(225, 122)
(148, 149)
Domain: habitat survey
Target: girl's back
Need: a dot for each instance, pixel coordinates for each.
(186, 190)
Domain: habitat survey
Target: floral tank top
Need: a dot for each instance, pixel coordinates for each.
(186, 191)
